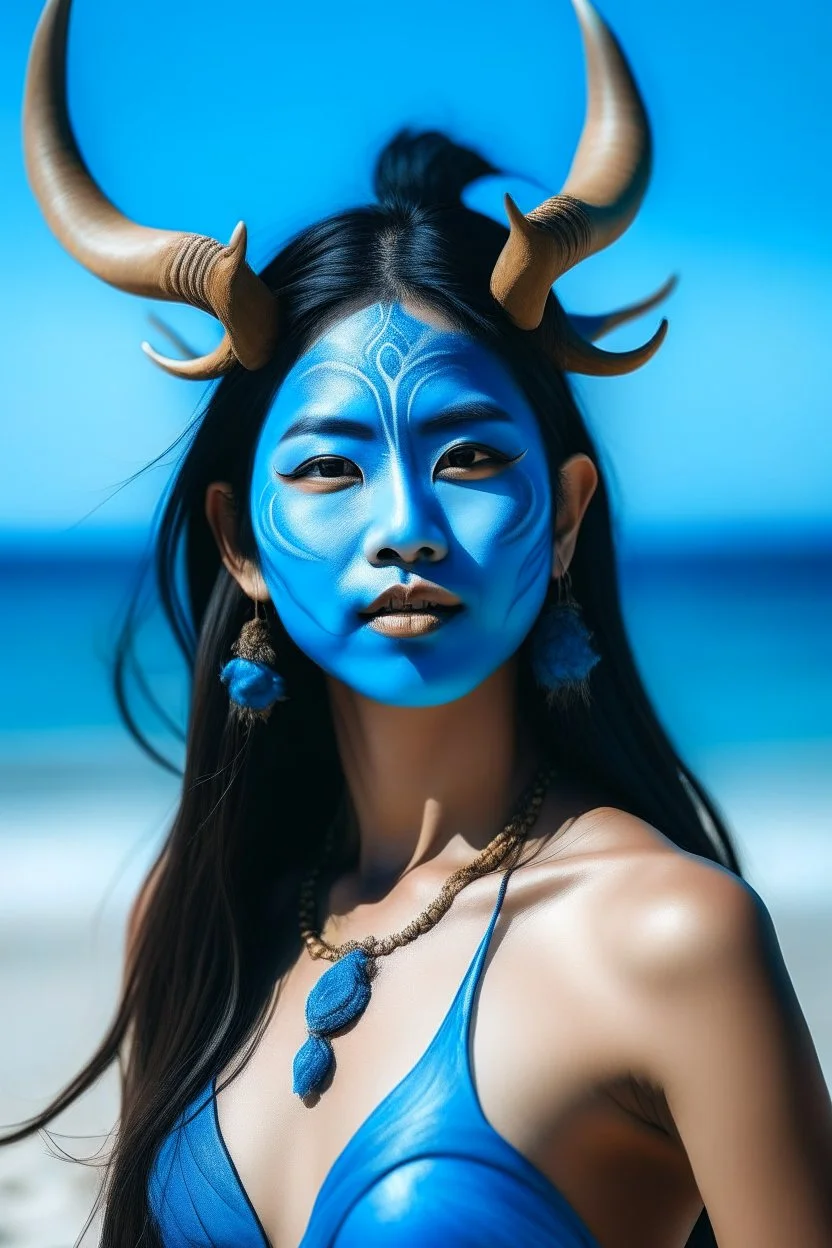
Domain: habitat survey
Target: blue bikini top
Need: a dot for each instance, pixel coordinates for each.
(426, 1167)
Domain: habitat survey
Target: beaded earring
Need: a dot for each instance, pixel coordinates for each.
(562, 654)
(254, 684)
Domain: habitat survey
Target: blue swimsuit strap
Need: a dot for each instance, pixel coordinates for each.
(462, 1004)
(450, 1043)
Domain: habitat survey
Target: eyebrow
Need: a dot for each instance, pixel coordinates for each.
(329, 424)
(459, 414)
(468, 413)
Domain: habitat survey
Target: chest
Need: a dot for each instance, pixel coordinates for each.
(540, 1046)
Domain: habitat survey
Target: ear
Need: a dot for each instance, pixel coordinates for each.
(578, 479)
(221, 513)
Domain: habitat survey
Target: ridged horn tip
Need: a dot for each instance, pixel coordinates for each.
(238, 241)
(203, 368)
(520, 278)
(517, 219)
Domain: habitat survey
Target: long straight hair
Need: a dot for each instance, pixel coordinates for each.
(218, 927)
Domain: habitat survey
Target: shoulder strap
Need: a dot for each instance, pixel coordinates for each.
(455, 1026)
(468, 987)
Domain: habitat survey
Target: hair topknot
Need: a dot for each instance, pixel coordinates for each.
(426, 168)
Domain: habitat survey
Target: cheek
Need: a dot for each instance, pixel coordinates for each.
(307, 543)
(502, 523)
(318, 527)
(505, 530)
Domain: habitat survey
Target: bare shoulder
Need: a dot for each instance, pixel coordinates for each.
(659, 913)
(674, 914)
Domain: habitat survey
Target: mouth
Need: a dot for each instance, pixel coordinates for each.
(411, 610)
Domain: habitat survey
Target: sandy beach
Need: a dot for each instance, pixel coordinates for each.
(64, 891)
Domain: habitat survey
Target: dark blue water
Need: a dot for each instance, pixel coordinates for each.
(734, 647)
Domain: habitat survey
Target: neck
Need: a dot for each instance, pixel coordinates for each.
(430, 783)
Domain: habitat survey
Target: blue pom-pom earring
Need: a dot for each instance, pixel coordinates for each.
(562, 654)
(252, 680)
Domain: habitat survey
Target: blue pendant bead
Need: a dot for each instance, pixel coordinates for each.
(340, 996)
(311, 1065)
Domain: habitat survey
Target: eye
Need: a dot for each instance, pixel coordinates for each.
(469, 462)
(324, 474)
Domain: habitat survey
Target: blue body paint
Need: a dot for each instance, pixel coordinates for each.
(394, 452)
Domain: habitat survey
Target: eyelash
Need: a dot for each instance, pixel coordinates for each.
(305, 469)
(493, 459)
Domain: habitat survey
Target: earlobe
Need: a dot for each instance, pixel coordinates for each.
(221, 514)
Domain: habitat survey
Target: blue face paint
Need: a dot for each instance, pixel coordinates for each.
(396, 453)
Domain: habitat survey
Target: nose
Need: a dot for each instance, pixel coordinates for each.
(405, 531)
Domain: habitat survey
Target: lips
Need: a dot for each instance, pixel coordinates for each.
(411, 610)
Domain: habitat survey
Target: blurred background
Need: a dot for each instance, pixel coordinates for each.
(196, 113)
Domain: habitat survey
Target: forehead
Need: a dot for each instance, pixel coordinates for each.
(385, 359)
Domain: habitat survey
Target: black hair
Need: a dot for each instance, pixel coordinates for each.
(218, 926)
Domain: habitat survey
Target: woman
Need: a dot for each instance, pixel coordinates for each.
(575, 1025)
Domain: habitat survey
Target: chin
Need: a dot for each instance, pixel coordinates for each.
(404, 684)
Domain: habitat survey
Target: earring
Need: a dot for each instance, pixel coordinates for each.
(253, 683)
(562, 654)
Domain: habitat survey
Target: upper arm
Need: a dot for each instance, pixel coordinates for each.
(724, 1037)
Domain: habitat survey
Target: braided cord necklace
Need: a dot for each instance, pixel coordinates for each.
(343, 992)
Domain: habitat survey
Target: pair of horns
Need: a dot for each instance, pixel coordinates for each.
(602, 194)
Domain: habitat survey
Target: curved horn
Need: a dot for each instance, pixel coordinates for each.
(602, 192)
(576, 355)
(591, 328)
(194, 367)
(159, 264)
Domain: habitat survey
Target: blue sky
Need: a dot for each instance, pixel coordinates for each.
(194, 114)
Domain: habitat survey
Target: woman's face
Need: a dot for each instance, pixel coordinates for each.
(401, 508)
